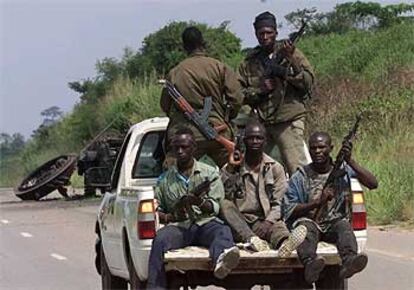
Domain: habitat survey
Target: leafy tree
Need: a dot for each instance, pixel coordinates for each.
(11, 144)
(350, 16)
(51, 115)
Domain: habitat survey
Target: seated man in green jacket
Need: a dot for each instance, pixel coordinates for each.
(190, 214)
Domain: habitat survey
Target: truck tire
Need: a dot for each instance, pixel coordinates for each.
(134, 281)
(329, 279)
(98, 255)
(110, 282)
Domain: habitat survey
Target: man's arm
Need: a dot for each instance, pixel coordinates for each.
(233, 91)
(363, 175)
(209, 204)
(303, 77)
(164, 216)
(215, 195)
(302, 209)
(165, 101)
(294, 201)
(252, 94)
(278, 190)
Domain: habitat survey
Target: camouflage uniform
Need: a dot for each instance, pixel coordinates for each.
(198, 77)
(283, 110)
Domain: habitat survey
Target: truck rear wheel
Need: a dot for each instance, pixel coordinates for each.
(329, 279)
(110, 282)
(134, 281)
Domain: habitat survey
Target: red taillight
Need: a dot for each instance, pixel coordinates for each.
(146, 219)
(146, 230)
(359, 220)
(359, 214)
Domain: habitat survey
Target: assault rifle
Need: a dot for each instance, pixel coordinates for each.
(239, 146)
(337, 171)
(199, 120)
(184, 204)
(279, 57)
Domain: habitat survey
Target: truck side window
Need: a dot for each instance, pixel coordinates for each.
(150, 157)
(117, 168)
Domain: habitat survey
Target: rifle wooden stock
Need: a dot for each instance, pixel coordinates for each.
(199, 121)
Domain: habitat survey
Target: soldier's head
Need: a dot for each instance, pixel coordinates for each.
(255, 137)
(183, 146)
(266, 30)
(192, 39)
(320, 147)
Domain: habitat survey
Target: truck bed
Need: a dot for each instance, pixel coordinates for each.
(197, 258)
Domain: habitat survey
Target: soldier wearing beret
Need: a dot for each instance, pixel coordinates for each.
(276, 92)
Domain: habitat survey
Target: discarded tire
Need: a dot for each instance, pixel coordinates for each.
(52, 175)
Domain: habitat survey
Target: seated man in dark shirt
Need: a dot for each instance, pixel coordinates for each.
(305, 195)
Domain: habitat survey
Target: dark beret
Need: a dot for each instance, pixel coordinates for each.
(265, 19)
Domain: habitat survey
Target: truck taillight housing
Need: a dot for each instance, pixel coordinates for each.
(146, 219)
(359, 213)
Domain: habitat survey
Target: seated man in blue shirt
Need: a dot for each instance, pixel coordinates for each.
(190, 217)
(305, 195)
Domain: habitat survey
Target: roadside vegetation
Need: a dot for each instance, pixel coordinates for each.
(363, 55)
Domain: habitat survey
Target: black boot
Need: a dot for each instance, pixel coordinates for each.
(313, 268)
(353, 265)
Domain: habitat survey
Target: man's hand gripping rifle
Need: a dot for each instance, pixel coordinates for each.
(337, 171)
(199, 120)
(273, 67)
(183, 208)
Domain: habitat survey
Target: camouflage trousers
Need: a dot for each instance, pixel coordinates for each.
(242, 231)
(289, 139)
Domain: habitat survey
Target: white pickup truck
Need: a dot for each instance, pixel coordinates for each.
(126, 224)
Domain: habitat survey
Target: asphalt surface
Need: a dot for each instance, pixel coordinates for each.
(50, 245)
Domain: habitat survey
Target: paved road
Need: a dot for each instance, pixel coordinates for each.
(49, 245)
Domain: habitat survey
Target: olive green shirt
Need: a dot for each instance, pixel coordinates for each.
(197, 77)
(172, 186)
(287, 101)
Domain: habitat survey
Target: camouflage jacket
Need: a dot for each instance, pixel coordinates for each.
(197, 77)
(287, 101)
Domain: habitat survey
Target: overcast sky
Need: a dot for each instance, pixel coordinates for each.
(44, 44)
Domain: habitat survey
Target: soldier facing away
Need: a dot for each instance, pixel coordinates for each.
(198, 77)
(276, 92)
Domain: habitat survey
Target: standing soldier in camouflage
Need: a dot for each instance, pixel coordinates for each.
(278, 98)
(198, 77)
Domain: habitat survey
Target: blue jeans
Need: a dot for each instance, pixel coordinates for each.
(213, 235)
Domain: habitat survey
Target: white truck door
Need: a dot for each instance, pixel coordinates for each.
(112, 241)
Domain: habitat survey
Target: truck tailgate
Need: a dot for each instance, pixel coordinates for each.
(197, 258)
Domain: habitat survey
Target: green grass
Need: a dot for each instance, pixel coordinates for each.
(370, 55)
